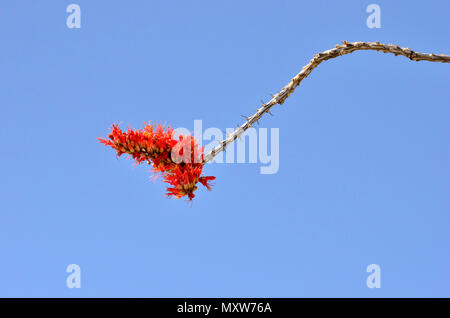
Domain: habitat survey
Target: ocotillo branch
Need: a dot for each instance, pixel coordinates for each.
(345, 48)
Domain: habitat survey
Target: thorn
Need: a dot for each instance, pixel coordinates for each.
(246, 118)
(268, 111)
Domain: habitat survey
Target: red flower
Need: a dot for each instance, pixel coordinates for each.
(179, 161)
(184, 179)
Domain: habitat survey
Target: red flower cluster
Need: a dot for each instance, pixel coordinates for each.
(178, 161)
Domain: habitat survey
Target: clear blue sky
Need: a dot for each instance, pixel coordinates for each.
(364, 150)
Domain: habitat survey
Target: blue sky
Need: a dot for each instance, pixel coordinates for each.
(364, 173)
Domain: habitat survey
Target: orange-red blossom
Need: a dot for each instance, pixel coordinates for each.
(178, 161)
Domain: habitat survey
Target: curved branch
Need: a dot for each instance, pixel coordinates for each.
(345, 48)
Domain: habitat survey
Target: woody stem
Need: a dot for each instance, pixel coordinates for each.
(345, 48)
